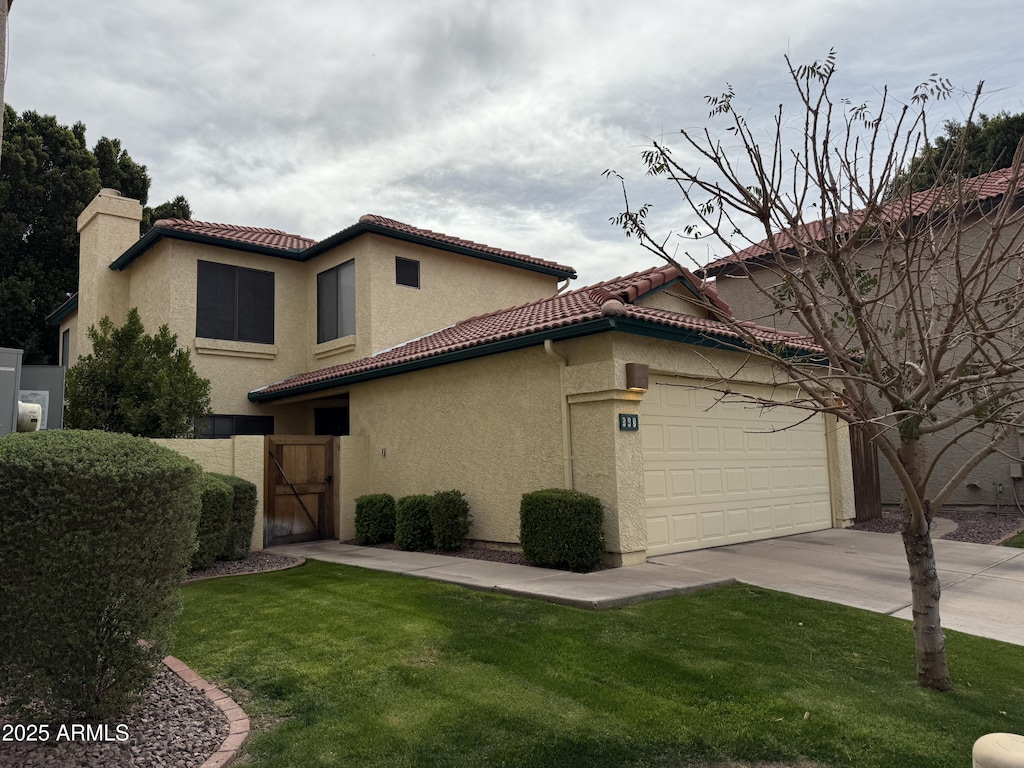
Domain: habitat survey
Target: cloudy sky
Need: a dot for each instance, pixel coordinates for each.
(490, 120)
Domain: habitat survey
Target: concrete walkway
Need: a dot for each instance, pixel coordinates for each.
(982, 586)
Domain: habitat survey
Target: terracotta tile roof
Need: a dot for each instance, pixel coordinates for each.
(271, 238)
(987, 186)
(303, 248)
(592, 303)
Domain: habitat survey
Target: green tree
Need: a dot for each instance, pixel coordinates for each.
(135, 383)
(969, 149)
(48, 175)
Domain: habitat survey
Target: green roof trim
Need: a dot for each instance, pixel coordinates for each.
(369, 227)
(156, 234)
(65, 309)
(587, 328)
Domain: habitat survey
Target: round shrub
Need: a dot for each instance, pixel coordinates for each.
(375, 518)
(559, 528)
(214, 520)
(450, 519)
(238, 542)
(96, 533)
(413, 531)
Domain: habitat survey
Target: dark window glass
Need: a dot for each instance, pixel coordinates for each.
(220, 426)
(330, 421)
(336, 302)
(407, 272)
(234, 303)
(65, 342)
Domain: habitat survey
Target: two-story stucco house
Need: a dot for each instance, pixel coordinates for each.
(434, 363)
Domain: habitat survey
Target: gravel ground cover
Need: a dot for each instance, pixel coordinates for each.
(971, 526)
(176, 727)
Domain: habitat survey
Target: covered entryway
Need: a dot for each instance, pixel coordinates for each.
(299, 491)
(724, 471)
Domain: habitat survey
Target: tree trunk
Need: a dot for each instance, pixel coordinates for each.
(929, 641)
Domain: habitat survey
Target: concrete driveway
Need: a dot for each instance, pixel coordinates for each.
(982, 586)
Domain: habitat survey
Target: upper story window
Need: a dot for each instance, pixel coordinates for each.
(234, 303)
(407, 272)
(336, 302)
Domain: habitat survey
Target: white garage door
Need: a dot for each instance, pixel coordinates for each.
(726, 472)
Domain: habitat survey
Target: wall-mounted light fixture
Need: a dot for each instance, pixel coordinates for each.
(636, 376)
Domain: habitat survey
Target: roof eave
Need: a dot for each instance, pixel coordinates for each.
(65, 309)
(363, 227)
(587, 328)
(641, 327)
(156, 234)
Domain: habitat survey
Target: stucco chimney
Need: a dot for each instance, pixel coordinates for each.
(107, 227)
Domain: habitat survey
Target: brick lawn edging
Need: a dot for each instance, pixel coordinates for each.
(238, 721)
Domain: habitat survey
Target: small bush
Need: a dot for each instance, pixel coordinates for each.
(564, 529)
(413, 531)
(238, 542)
(214, 520)
(450, 519)
(375, 518)
(96, 533)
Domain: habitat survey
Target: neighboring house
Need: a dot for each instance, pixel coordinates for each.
(995, 484)
(448, 364)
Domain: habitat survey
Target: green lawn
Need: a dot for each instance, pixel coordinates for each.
(362, 668)
(1016, 541)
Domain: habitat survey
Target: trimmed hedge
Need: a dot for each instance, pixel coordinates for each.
(214, 521)
(413, 531)
(559, 528)
(238, 542)
(375, 518)
(450, 519)
(96, 533)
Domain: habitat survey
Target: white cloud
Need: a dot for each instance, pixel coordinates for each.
(491, 121)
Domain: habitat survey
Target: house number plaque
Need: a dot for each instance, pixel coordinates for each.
(629, 422)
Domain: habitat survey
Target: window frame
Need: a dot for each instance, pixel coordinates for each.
(235, 303)
(336, 302)
(401, 261)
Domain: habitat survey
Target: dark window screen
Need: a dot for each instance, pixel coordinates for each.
(407, 272)
(336, 302)
(234, 303)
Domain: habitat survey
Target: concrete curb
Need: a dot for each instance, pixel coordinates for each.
(299, 561)
(238, 721)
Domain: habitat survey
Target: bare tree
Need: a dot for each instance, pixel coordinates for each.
(914, 300)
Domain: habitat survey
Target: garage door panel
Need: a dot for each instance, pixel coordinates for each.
(655, 487)
(730, 473)
(736, 480)
(680, 438)
(683, 484)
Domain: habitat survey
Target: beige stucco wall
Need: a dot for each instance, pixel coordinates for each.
(489, 427)
(108, 226)
(70, 324)
(241, 456)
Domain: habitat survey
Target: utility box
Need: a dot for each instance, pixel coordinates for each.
(10, 383)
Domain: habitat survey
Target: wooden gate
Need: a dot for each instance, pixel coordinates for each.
(299, 489)
(867, 491)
